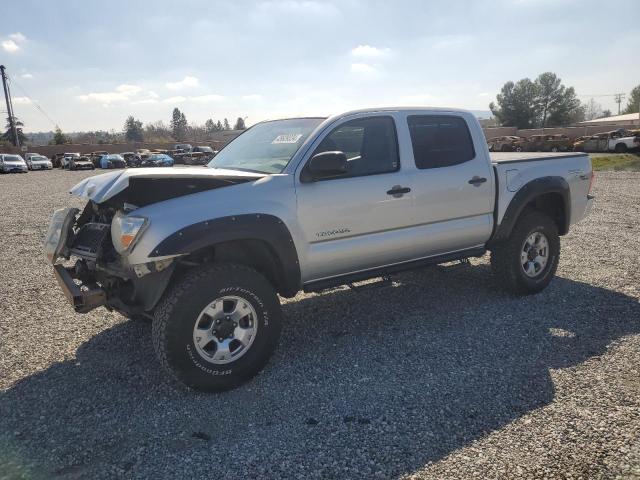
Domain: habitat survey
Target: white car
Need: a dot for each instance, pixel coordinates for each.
(306, 204)
(39, 162)
(12, 164)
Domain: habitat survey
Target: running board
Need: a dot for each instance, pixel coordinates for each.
(324, 284)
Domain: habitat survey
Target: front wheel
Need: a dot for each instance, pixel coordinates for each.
(217, 327)
(527, 261)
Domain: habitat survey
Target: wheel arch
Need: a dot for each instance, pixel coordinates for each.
(258, 240)
(550, 195)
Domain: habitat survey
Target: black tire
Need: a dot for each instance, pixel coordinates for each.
(505, 257)
(620, 148)
(518, 148)
(176, 315)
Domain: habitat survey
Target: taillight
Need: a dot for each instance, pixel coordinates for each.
(593, 177)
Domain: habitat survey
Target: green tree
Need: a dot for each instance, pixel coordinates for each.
(218, 126)
(516, 104)
(239, 124)
(133, 130)
(60, 138)
(605, 113)
(542, 103)
(633, 105)
(226, 124)
(7, 136)
(557, 104)
(179, 125)
(209, 126)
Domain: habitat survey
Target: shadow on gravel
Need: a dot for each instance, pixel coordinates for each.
(380, 381)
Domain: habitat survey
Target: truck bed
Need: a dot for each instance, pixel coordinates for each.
(515, 169)
(512, 157)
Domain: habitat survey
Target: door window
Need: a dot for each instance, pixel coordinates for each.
(440, 140)
(370, 144)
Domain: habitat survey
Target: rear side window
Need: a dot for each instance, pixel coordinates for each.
(440, 140)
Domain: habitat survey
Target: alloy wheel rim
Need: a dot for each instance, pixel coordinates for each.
(534, 255)
(225, 329)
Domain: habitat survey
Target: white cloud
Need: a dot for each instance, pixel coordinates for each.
(21, 100)
(27, 76)
(178, 99)
(18, 37)
(122, 93)
(251, 98)
(186, 82)
(207, 98)
(367, 51)
(198, 98)
(363, 69)
(126, 89)
(10, 46)
(484, 94)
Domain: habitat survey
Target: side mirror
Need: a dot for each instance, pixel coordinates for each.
(327, 165)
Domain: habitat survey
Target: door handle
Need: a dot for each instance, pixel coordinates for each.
(398, 190)
(477, 181)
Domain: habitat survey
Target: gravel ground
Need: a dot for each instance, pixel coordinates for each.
(440, 375)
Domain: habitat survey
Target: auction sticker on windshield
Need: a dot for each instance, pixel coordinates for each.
(287, 138)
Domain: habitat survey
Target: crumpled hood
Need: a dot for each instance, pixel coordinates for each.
(153, 183)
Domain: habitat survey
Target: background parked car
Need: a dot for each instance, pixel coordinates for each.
(578, 143)
(158, 160)
(27, 158)
(64, 161)
(12, 164)
(502, 144)
(132, 159)
(544, 143)
(39, 162)
(95, 157)
(112, 160)
(80, 163)
(56, 159)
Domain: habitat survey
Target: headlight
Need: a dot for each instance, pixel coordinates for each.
(126, 230)
(60, 229)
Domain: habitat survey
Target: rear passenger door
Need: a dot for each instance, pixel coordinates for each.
(453, 185)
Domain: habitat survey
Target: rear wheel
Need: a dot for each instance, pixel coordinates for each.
(217, 327)
(527, 261)
(620, 148)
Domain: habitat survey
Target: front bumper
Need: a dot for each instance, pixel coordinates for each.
(82, 300)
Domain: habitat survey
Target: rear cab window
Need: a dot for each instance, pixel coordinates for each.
(440, 140)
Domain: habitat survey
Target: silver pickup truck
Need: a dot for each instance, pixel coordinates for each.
(306, 204)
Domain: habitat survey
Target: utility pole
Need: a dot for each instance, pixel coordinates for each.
(618, 97)
(7, 98)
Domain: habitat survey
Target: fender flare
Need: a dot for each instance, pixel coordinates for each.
(263, 227)
(526, 194)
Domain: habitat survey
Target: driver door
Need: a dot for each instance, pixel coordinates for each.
(359, 220)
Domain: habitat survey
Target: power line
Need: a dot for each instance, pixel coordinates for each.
(618, 99)
(33, 102)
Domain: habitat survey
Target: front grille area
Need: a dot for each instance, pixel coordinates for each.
(91, 239)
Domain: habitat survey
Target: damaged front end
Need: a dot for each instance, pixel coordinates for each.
(97, 242)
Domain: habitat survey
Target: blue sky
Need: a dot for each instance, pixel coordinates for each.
(89, 64)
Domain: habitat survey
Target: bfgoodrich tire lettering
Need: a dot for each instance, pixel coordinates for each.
(506, 256)
(177, 312)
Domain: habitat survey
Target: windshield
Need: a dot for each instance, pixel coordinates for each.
(39, 159)
(13, 158)
(115, 157)
(266, 147)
